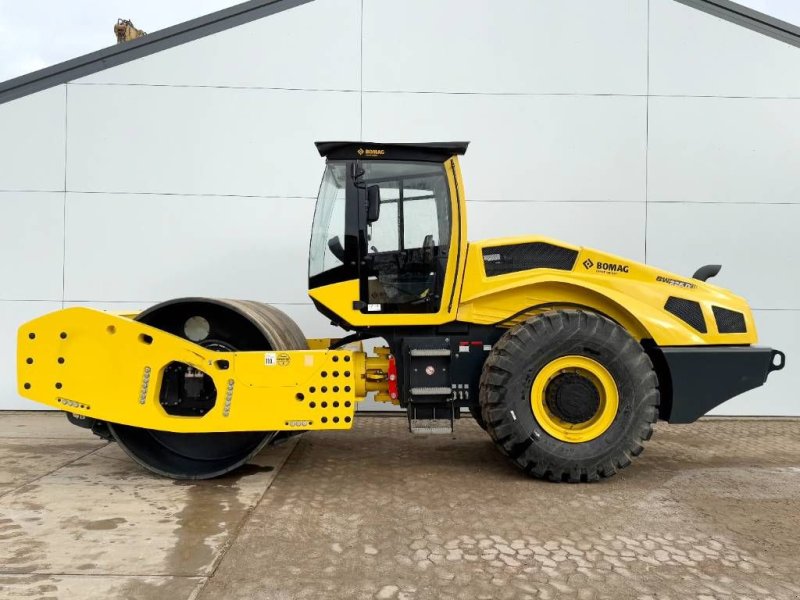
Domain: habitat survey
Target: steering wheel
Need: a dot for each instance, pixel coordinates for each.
(336, 248)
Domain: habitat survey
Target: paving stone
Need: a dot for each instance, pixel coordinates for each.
(710, 510)
(685, 520)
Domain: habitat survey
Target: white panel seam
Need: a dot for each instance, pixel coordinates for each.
(539, 200)
(64, 206)
(11, 300)
(437, 92)
(577, 94)
(512, 94)
(727, 202)
(221, 87)
(361, 76)
(195, 195)
(647, 132)
(8, 191)
(724, 97)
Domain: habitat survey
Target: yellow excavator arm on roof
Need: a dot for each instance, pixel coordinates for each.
(126, 31)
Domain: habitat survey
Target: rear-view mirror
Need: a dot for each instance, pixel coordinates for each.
(373, 203)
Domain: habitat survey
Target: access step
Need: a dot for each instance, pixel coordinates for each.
(431, 426)
(435, 419)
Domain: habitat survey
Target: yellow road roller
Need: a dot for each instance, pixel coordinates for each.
(565, 355)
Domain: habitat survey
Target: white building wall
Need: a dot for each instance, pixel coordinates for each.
(315, 46)
(609, 124)
(32, 140)
(723, 164)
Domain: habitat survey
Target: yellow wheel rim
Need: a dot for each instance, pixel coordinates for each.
(607, 399)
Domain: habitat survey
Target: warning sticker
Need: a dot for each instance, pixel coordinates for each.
(277, 358)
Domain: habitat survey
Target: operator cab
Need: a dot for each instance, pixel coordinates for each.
(384, 221)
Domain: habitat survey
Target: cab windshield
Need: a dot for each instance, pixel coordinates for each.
(328, 221)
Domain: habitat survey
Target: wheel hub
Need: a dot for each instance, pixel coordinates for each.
(572, 398)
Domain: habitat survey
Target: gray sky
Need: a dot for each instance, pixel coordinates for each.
(38, 33)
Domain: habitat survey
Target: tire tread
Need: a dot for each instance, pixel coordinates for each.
(520, 342)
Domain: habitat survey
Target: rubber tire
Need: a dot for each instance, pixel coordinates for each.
(477, 414)
(505, 389)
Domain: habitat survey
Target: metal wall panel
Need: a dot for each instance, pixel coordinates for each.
(724, 132)
(724, 150)
(756, 244)
(312, 46)
(218, 141)
(32, 133)
(31, 245)
(616, 227)
(137, 247)
(515, 46)
(589, 148)
(696, 54)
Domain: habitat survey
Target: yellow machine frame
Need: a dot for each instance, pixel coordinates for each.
(109, 368)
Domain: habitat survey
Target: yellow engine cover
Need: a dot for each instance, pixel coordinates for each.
(632, 293)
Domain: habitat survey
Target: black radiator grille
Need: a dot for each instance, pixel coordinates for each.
(499, 260)
(687, 311)
(729, 321)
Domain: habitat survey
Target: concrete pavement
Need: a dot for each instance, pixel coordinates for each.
(710, 511)
(78, 519)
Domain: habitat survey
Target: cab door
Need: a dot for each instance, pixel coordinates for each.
(406, 246)
(401, 244)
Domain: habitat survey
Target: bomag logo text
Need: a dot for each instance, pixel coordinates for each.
(371, 152)
(612, 267)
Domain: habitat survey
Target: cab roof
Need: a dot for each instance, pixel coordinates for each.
(427, 151)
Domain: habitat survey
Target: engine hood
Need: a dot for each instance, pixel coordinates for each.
(521, 276)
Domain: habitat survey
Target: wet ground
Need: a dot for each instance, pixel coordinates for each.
(710, 511)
